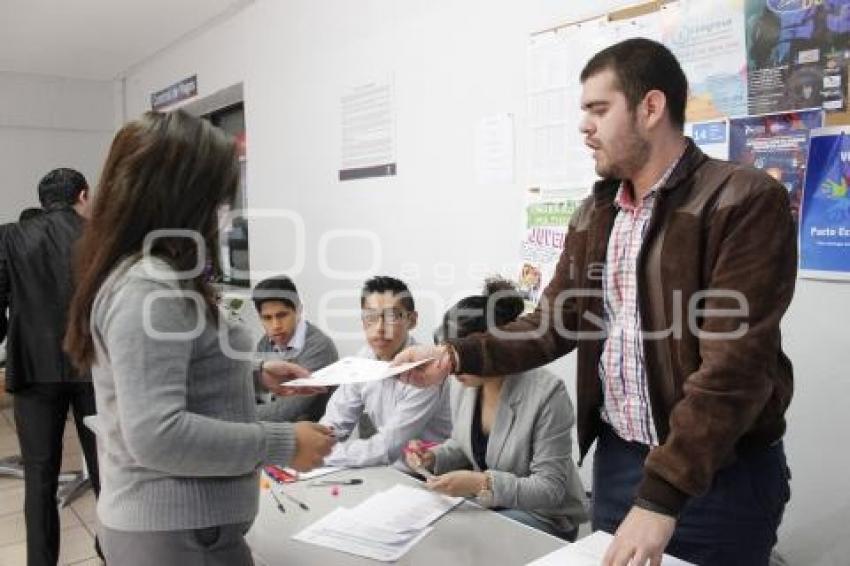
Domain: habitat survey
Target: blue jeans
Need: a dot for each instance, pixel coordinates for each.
(530, 520)
(734, 523)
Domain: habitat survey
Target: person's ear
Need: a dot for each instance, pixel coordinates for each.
(412, 319)
(653, 108)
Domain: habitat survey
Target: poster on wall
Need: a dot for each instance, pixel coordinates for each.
(558, 156)
(777, 144)
(708, 40)
(368, 134)
(711, 137)
(797, 54)
(825, 212)
(546, 217)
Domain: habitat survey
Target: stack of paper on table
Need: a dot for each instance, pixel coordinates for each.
(589, 551)
(383, 527)
(352, 370)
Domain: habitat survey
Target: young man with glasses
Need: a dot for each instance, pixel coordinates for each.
(398, 412)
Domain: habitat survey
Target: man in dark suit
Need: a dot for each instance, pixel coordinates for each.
(36, 288)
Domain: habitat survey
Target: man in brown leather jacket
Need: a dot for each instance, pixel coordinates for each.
(675, 275)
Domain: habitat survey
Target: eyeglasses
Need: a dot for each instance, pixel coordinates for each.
(389, 316)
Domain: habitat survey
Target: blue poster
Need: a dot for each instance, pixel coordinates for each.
(797, 54)
(825, 211)
(777, 144)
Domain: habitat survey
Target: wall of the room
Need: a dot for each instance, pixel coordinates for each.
(48, 122)
(451, 64)
(217, 54)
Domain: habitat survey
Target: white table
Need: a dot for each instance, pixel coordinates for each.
(469, 535)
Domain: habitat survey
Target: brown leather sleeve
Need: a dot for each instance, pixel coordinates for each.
(751, 250)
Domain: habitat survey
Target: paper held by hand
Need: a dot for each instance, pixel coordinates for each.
(352, 370)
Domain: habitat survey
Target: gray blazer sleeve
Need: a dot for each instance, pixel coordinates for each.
(449, 456)
(551, 463)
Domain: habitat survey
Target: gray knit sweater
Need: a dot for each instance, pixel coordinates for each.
(179, 442)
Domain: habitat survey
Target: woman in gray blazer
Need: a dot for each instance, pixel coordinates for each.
(511, 444)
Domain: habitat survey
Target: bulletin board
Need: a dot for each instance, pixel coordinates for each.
(763, 74)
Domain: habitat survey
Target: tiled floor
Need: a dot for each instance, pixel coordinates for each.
(78, 519)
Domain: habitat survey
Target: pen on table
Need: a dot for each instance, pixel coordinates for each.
(279, 503)
(294, 500)
(322, 483)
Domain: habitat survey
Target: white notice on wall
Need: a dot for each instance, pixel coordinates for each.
(494, 150)
(368, 131)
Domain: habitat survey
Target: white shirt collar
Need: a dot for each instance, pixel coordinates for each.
(296, 343)
(300, 337)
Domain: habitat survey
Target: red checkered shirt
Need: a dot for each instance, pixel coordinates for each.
(622, 370)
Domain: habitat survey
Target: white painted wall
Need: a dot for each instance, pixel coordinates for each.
(217, 54)
(48, 122)
(452, 63)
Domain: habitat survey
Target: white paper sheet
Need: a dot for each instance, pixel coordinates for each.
(344, 530)
(368, 132)
(403, 508)
(352, 370)
(589, 551)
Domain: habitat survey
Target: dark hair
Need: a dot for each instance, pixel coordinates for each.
(61, 187)
(384, 283)
(164, 171)
(280, 288)
(641, 65)
(499, 304)
(28, 213)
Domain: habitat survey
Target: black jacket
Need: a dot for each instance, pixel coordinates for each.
(36, 287)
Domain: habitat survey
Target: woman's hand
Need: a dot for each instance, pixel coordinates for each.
(276, 372)
(416, 456)
(312, 443)
(460, 483)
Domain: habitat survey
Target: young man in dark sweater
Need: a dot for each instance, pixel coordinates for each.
(290, 337)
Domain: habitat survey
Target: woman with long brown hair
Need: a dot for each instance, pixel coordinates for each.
(179, 438)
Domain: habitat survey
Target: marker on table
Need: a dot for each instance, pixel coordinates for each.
(279, 504)
(279, 475)
(419, 468)
(423, 445)
(294, 500)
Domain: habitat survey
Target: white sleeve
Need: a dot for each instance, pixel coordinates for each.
(343, 410)
(407, 419)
